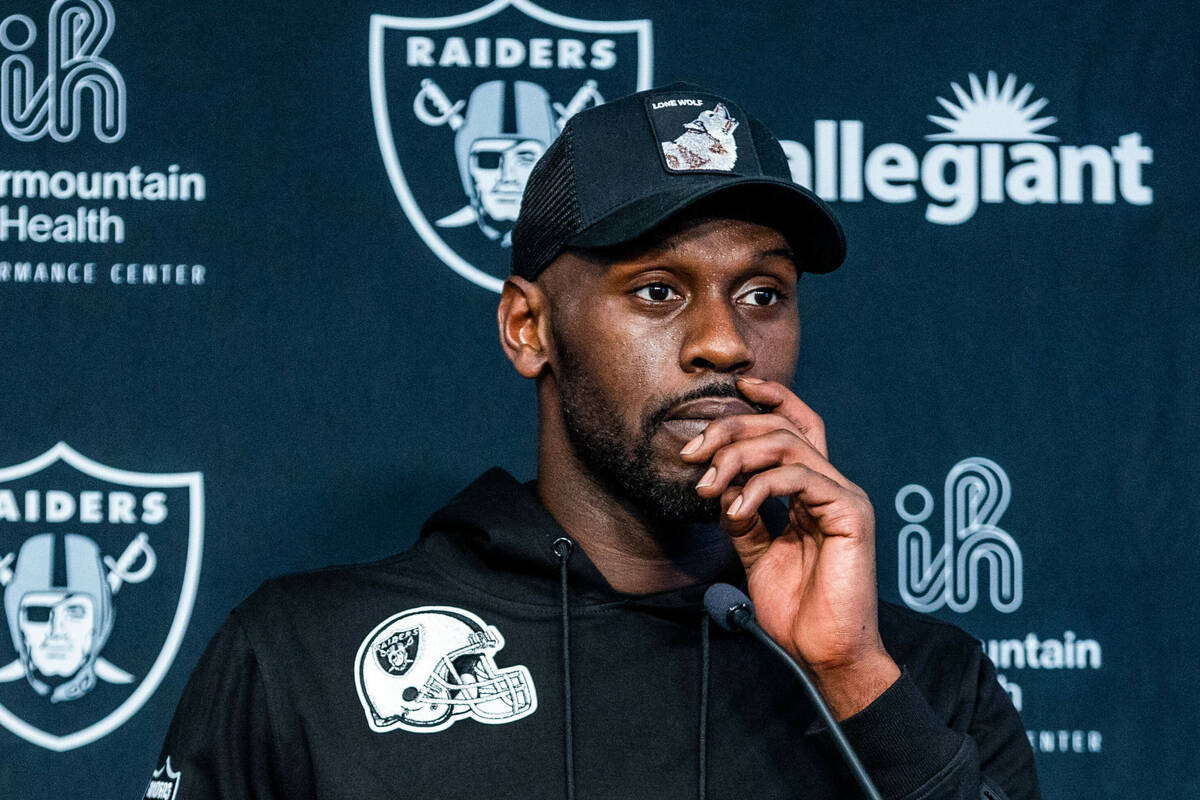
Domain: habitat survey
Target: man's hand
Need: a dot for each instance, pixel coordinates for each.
(813, 586)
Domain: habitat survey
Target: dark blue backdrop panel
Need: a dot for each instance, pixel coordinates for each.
(247, 279)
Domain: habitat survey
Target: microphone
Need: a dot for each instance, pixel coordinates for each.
(730, 608)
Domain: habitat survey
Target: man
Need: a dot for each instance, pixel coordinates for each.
(547, 639)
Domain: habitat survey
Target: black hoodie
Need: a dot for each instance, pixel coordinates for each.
(490, 662)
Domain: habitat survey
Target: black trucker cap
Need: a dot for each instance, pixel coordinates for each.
(619, 169)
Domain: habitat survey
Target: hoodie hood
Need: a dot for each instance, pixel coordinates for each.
(498, 536)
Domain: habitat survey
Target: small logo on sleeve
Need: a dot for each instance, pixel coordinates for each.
(164, 783)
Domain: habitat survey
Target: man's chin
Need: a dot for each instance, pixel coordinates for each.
(677, 503)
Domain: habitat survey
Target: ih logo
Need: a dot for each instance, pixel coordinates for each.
(465, 105)
(976, 495)
(98, 569)
(76, 75)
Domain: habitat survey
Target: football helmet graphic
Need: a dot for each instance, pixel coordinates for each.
(426, 668)
(59, 623)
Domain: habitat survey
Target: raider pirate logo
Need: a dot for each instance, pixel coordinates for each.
(397, 652)
(92, 562)
(465, 105)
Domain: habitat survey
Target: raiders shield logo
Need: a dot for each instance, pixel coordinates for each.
(396, 652)
(465, 105)
(98, 570)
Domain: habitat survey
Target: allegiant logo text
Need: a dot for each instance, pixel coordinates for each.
(991, 150)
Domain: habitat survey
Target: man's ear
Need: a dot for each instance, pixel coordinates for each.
(523, 317)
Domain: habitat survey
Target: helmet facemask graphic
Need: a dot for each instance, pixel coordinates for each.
(497, 146)
(424, 669)
(59, 629)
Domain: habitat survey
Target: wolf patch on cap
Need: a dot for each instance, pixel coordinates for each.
(706, 143)
(619, 169)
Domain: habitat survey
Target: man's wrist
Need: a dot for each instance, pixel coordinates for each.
(850, 688)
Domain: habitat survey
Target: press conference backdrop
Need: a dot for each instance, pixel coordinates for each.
(248, 263)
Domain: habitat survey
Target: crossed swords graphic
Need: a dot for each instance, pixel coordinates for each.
(120, 572)
(433, 107)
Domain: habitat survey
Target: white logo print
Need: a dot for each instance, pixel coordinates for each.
(976, 495)
(99, 569)
(59, 631)
(997, 113)
(76, 32)
(706, 142)
(164, 783)
(465, 105)
(992, 150)
(495, 165)
(424, 669)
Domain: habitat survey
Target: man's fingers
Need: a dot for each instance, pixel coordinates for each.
(749, 535)
(721, 432)
(771, 449)
(786, 403)
(816, 492)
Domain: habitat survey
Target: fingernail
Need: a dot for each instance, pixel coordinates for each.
(692, 446)
(708, 478)
(735, 507)
(745, 379)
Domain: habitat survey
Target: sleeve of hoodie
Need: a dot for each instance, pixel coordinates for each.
(967, 744)
(221, 741)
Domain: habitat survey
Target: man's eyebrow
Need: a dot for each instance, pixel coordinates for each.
(784, 252)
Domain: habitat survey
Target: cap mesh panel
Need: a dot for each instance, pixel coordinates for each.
(549, 210)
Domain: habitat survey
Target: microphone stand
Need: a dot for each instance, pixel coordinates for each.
(735, 612)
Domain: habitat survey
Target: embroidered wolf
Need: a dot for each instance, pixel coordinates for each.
(706, 142)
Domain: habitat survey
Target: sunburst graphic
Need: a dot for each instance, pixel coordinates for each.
(993, 113)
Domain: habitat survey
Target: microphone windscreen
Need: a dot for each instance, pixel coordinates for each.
(721, 599)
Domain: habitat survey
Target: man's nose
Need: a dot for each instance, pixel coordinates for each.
(715, 339)
(58, 622)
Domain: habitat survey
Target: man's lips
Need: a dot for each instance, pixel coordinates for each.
(688, 420)
(710, 408)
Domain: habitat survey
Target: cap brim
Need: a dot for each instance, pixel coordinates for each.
(809, 225)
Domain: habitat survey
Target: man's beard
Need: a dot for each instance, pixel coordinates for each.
(625, 464)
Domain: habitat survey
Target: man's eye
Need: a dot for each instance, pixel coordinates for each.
(656, 293)
(763, 296)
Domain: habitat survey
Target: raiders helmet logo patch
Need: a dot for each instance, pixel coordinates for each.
(424, 669)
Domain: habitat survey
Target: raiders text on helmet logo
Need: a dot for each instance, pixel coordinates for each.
(435, 665)
(491, 89)
(95, 562)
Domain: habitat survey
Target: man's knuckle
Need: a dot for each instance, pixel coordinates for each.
(726, 459)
